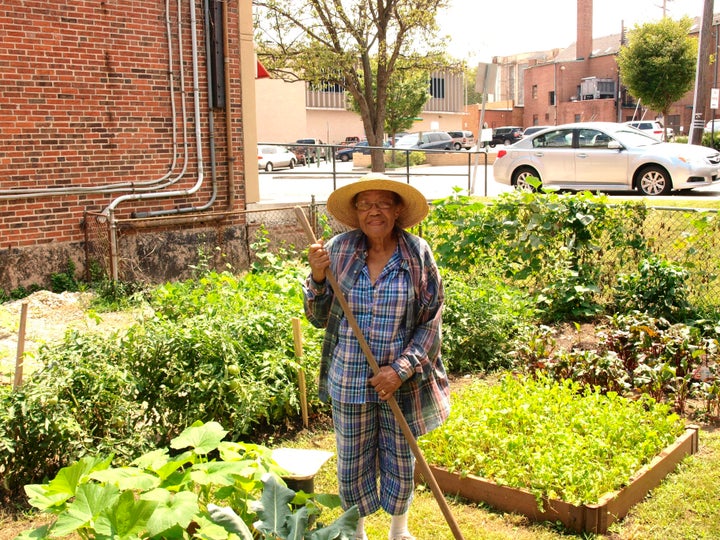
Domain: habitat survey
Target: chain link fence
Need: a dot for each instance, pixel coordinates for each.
(687, 237)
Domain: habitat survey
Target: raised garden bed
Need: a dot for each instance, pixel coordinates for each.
(592, 518)
(556, 451)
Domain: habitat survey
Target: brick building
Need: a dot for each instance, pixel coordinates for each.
(578, 83)
(122, 128)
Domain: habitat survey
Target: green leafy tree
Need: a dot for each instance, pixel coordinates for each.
(658, 64)
(473, 96)
(338, 43)
(407, 93)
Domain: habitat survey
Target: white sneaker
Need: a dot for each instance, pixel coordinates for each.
(407, 536)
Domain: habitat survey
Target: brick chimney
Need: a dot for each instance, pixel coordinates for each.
(583, 46)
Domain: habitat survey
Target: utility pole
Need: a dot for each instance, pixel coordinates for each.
(702, 75)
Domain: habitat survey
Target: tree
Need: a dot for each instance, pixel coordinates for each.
(337, 43)
(658, 64)
(407, 93)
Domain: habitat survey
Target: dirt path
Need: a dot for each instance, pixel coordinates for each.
(49, 316)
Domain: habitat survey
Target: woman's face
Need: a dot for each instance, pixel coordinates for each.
(377, 211)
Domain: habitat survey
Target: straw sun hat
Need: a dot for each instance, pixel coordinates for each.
(340, 203)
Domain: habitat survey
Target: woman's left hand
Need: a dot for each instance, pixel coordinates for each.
(386, 382)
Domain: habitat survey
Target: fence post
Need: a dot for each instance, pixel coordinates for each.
(20, 347)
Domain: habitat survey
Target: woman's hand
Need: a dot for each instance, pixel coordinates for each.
(319, 261)
(386, 382)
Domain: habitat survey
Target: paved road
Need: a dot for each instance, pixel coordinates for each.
(299, 185)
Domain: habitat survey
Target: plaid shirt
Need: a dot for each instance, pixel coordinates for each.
(400, 316)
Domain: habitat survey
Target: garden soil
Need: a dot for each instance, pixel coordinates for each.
(49, 317)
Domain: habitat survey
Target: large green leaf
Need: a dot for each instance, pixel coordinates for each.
(219, 473)
(90, 501)
(127, 478)
(203, 438)
(64, 485)
(229, 521)
(343, 527)
(176, 511)
(126, 519)
(274, 507)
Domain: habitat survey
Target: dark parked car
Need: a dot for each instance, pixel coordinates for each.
(462, 139)
(533, 129)
(506, 135)
(346, 153)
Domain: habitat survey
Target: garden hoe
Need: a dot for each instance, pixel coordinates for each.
(399, 417)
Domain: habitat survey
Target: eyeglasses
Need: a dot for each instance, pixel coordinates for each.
(364, 206)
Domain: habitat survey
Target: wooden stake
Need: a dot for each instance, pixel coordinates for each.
(297, 335)
(392, 402)
(20, 347)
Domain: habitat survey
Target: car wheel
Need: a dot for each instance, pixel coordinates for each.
(269, 167)
(292, 163)
(520, 179)
(492, 145)
(507, 142)
(344, 157)
(654, 180)
(458, 146)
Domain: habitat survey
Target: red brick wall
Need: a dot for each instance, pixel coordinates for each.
(86, 103)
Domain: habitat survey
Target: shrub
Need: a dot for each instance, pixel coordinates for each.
(658, 288)
(219, 348)
(564, 250)
(479, 316)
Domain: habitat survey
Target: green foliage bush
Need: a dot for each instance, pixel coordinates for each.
(479, 317)
(564, 250)
(658, 288)
(219, 348)
(636, 353)
(173, 493)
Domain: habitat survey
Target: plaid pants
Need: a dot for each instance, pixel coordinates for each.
(370, 443)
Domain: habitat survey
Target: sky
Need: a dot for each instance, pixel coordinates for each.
(481, 29)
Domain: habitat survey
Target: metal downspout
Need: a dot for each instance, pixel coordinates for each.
(228, 109)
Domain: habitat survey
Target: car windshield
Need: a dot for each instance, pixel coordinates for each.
(407, 140)
(629, 137)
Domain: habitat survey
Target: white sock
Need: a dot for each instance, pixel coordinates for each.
(360, 531)
(399, 525)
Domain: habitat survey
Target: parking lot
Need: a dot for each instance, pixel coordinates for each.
(299, 185)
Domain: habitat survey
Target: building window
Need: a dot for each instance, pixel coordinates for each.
(534, 91)
(437, 87)
(551, 97)
(325, 86)
(578, 118)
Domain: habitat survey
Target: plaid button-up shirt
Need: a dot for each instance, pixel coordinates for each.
(400, 316)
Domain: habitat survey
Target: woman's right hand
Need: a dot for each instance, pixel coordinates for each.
(319, 261)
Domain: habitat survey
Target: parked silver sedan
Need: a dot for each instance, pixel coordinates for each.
(271, 157)
(605, 156)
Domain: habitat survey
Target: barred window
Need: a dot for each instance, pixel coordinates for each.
(437, 87)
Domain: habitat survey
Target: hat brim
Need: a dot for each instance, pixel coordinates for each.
(340, 201)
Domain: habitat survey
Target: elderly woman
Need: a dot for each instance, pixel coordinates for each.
(391, 282)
